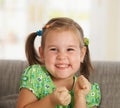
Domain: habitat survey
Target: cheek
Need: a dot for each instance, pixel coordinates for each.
(76, 64)
(75, 59)
(49, 58)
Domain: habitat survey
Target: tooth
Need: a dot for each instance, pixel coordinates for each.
(62, 65)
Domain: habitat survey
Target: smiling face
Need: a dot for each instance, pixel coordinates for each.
(62, 54)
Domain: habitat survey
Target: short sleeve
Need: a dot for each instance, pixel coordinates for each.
(28, 79)
(37, 79)
(94, 96)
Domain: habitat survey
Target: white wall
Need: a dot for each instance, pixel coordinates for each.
(105, 30)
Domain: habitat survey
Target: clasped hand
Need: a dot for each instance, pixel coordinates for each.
(61, 95)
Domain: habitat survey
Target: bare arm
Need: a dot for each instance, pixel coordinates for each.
(82, 88)
(28, 100)
(80, 102)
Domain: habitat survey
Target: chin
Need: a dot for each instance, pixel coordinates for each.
(64, 76)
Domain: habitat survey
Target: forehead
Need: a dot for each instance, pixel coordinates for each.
(62, 37)
(66, 33)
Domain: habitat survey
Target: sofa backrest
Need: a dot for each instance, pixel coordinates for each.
(107, 74)
(10, 72)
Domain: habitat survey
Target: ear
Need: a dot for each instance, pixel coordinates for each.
(82, 54)
(41, 52)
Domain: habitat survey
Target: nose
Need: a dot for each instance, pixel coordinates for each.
(61, 56)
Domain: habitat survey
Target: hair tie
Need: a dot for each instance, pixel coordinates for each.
(47, 26)
(86, 41)
(39, 32)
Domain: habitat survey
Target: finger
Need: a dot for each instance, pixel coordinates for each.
(67, 99)
(62, 89)
(61, 93)
(83, 82)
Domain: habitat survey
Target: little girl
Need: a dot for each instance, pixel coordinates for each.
(50, 81)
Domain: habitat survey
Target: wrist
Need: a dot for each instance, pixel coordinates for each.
(52, 100)
(80, 101)
(80, 98)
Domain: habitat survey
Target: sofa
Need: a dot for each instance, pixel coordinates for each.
(106, 73)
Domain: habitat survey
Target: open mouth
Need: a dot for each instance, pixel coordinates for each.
(62, 66)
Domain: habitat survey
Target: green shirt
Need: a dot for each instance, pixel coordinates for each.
(37, 79)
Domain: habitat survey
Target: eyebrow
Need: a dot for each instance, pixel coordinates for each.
(75, 46)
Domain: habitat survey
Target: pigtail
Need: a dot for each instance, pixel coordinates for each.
(86, 66)
(30, 50)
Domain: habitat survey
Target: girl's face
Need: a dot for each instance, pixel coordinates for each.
(62, 54)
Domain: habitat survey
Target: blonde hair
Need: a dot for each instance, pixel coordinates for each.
(60, 24)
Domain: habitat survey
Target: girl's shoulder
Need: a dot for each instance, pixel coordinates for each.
(35, 73)
(35, 69)
(37, 79)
